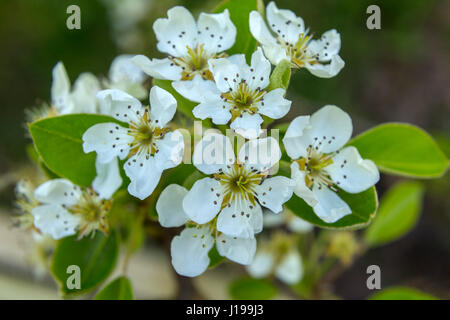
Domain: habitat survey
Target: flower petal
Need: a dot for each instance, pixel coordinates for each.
(296, 140)
(227, 75)
(197, 89)
(120, 105)
(123, 69)
(60, 89)
(248, 125)
(54, 220)
(258, 76)
(83, 94)
(285, 23)
(274, 192)
(327, 70)
(259, 30)
(108, 139)
(176, 32)
(190, 250)
(162, 106)
(216, 31)
(144, 175)
(241, 219)
(170, 150)
(352, 173)
(108, 178)
(301, 190)
(274, 105)
(290, 269)
(213, 153)
(327, 46)
(236, 249)
(330, 207)
(262, 264)
(163, 69)
(203, 201)
(260, 154)
(170, 206)
(217, 110)
(58, 191)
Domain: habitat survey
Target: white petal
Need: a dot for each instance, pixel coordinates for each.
(260, 154)
(170, 150)
(162, 106)
(327, 70)
(262, 264)
(58, 191)
(275, 54)
(213, 153)
(203, 201)
(83, 95)
(259, 30)
(330, 207)
(108, 178)
(60, 88)
(176, 32)
(296, 140)
(301, 190)
(274, 192)
(240, 219)
(197, 89)
(170, 206)
(163, 69)
(120, 105)
(275, 105)
(123, 69)
(285, 23)
(332, 127)
(108, 139)
(327, 46)
(217, 110)
(259, 75)
(248, 125)
(144, 175)
(190, 250)
(236, 249)
(227, 75)
(290, 269)
(352, 173)
(54, 220)
(217, 32)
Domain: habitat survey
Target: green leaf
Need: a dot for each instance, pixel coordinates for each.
(95, 257)
(184, 105)
(119, 289)
(252, 289)
(401, 293)
(58, 142)
(214, 257)
(239, 14)
(364, 206)
(398, 213)
(402, 149)
(280, 76)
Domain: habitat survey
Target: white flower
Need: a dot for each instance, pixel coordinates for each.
(190, 249)
(147, 143)
(126, 76)
(65, 208)
(79, 99)
(239, 95)
(292, 42)
(190, 44)
(286, 217)
(238, 187)
(321, 164)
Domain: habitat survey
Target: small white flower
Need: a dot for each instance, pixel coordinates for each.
(80, 98)
(190, 249)
(190, 44)
(321, 164)
(238, 187)
(147, 143)
(239, 95)
(292, 42)
(286, 217)
(126, 76)
(65, 208)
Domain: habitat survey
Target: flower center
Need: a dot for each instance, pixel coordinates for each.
(299, 53)
(313, 166)
(243, 99)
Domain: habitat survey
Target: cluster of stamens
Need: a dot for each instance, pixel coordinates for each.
(243, 99)
(298, 52)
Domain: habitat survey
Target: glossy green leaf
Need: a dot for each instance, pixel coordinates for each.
(59, 144)
(398, 213)
(402, 149)
(96, 257)
(239, 14)
(252, 289)
(280, 76)
(119, 289)
(363, 205)
(184, 105)
(402, 293)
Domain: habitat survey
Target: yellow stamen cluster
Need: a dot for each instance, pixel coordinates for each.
(299, 54)
(313, 166)
(243, 99)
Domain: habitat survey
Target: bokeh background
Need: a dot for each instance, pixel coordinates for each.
(398, 73)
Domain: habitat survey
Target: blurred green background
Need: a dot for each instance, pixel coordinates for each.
(398, 73)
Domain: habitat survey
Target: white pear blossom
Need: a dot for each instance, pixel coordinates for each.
(286, 217)
(147, 142)
(289, 40)
(189, 44)
(322, 163)
(239, 96)
(80, 98)
(126, 76)
(190, 249)
(65, 209)
(237, 187)
(279, 257)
